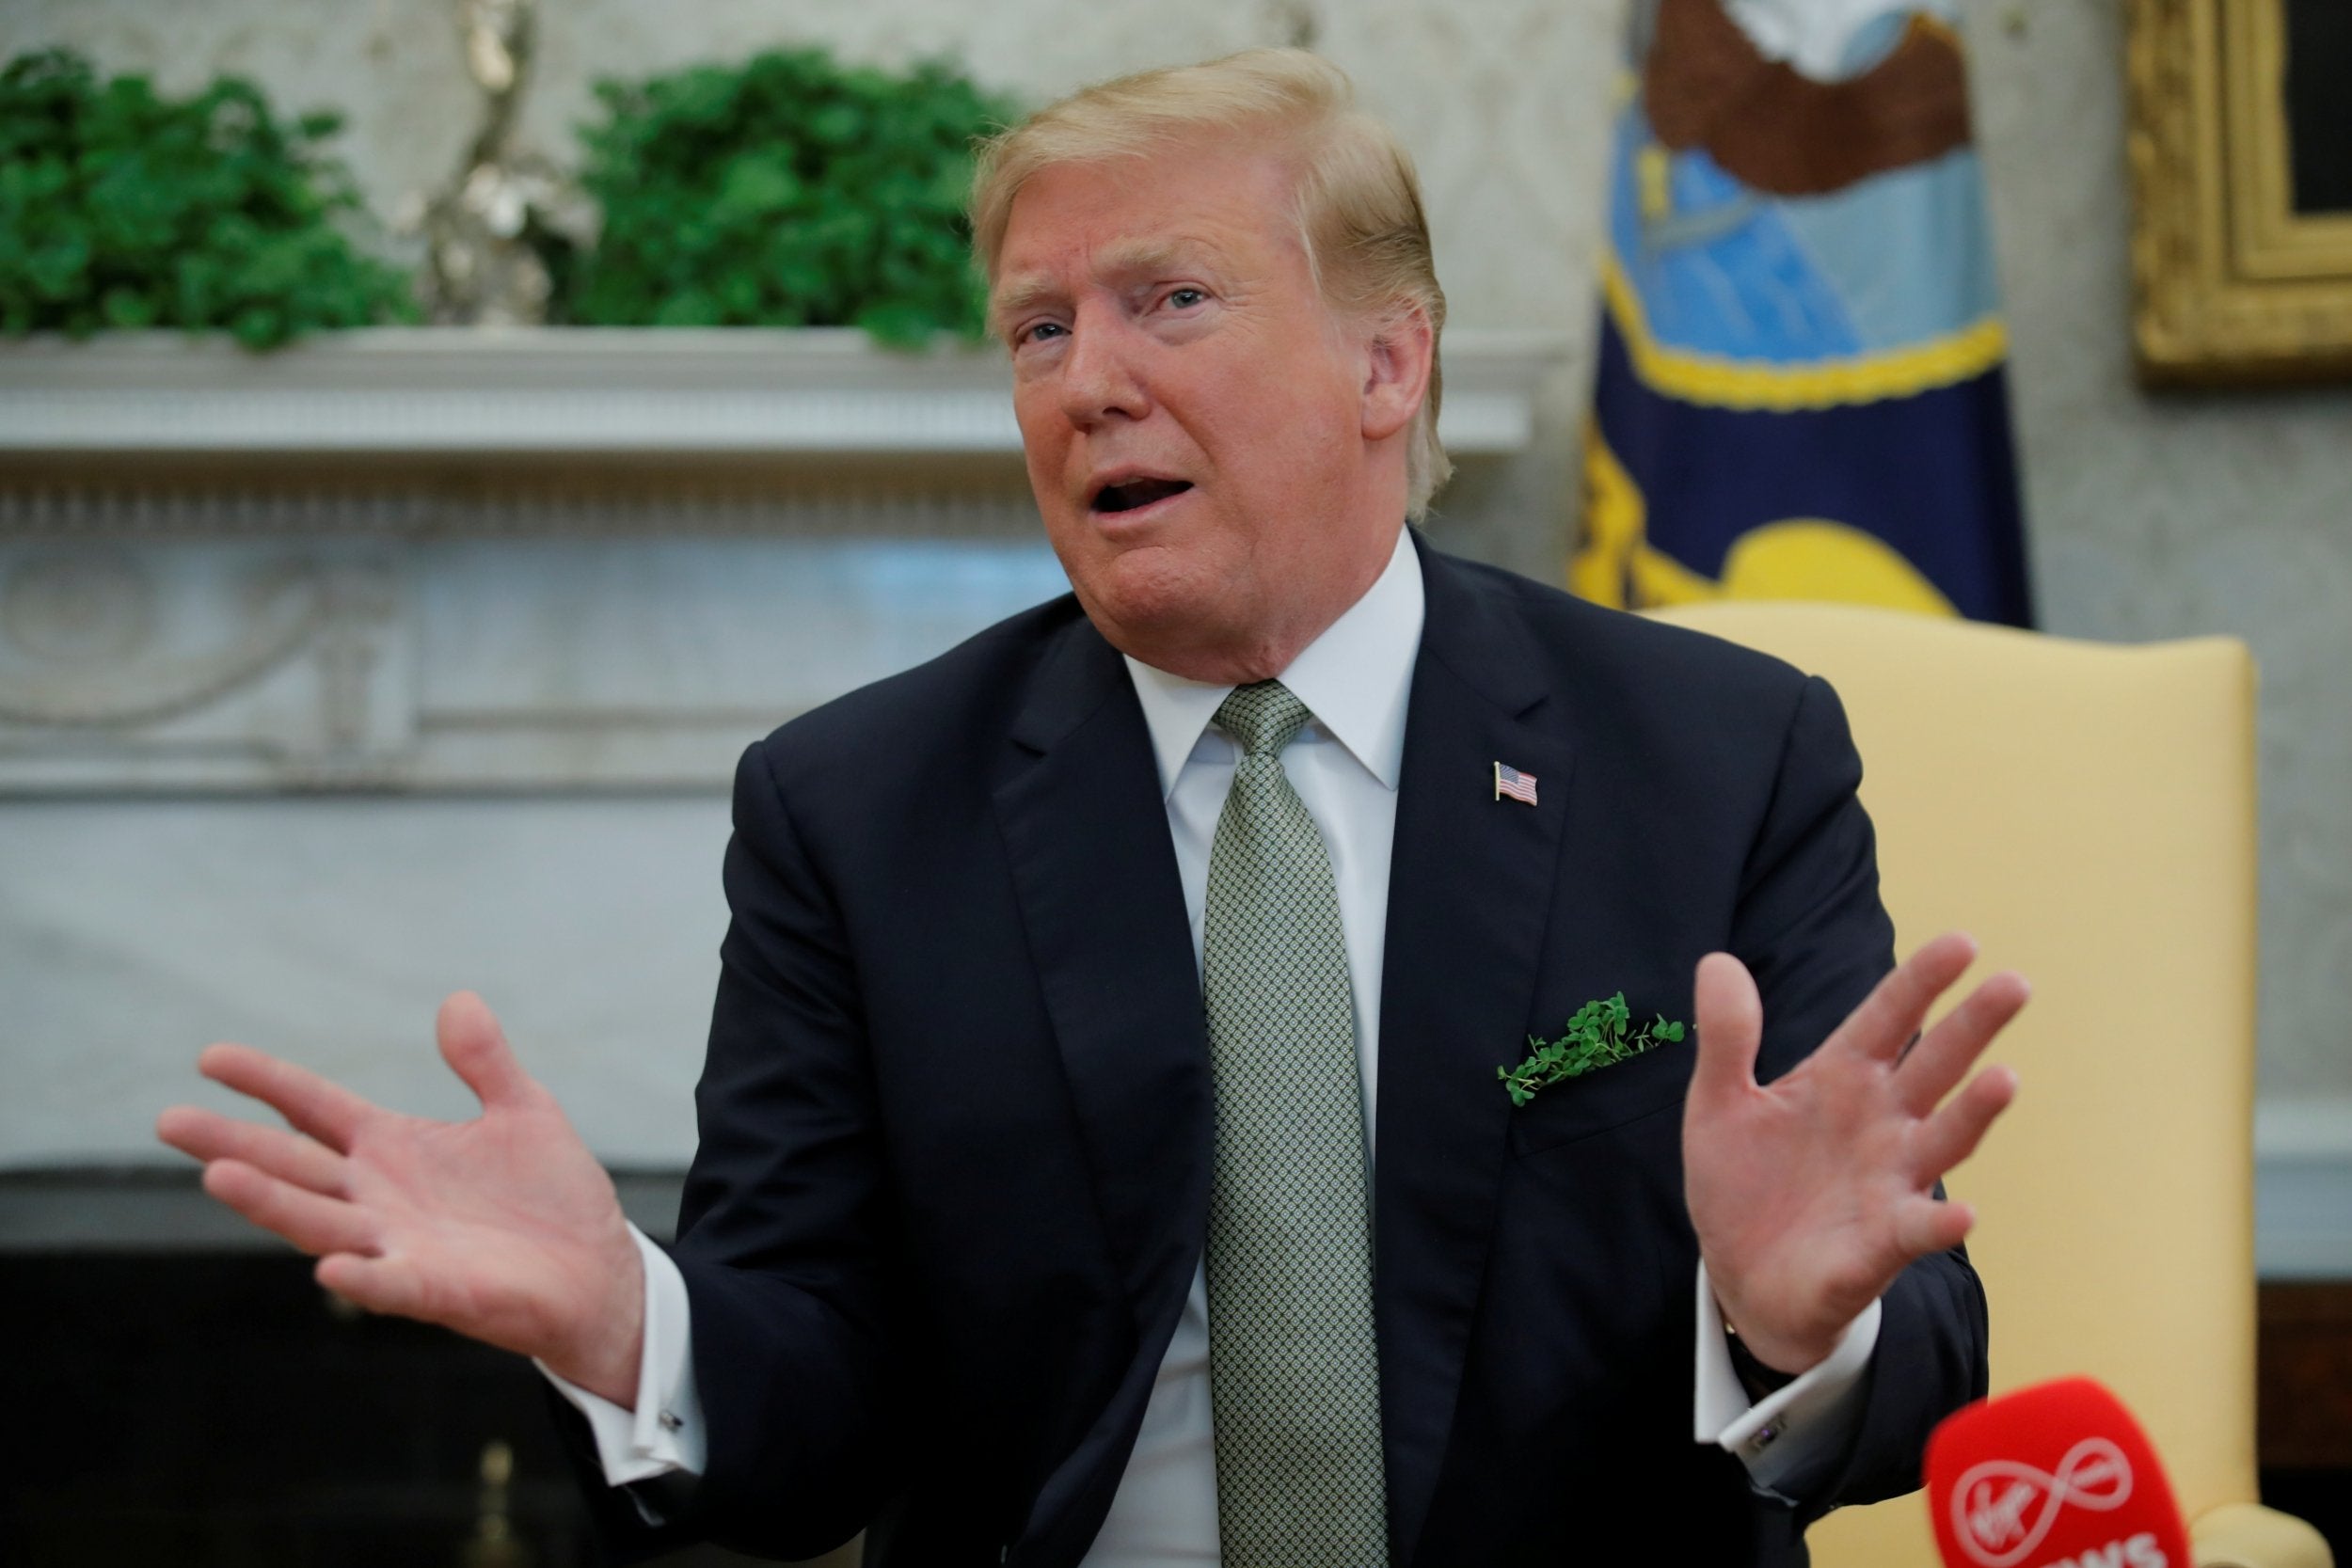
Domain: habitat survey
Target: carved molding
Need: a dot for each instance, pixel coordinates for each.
(85, 681)
(462, 392)
(201, 665)
(241, 509)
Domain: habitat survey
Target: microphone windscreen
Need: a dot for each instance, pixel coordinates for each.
(2055, 1476)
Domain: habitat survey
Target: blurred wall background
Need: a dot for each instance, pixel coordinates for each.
(2148, 518)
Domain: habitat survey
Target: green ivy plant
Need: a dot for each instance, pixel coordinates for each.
(788, 191)
(121, 208)
(1599, 1033)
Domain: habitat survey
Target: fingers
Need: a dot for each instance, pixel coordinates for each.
(475, 1049)
(289, 1156)
(326, 1110)
(1931, 1068)
(315, 1224)
(378, 1284)
(1897, 1005)
(1925, 1224)
(1952, 1133)
(1730, 1016)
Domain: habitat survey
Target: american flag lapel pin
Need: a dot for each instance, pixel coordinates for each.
(1510, 780)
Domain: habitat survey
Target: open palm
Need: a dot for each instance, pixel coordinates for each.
(503, 1228)
(1811, 1193)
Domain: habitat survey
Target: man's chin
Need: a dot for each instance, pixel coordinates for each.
(1157, 605)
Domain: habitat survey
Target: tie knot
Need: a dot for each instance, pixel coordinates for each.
(1263, 718)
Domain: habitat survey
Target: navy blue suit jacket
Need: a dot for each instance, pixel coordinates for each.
(955, 1121)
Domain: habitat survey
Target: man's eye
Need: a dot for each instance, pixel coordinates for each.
(1037, 332)
(1184, 299)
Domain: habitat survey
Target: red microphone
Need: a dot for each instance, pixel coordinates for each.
(2055, 1476)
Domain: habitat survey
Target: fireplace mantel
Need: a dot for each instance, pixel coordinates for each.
(453, 392)
(438, 559)
(334, 678)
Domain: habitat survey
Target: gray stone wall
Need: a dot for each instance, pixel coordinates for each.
(2154, 516)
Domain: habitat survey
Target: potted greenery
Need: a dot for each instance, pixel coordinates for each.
(772, 219)
(121, 208)
(787, 191)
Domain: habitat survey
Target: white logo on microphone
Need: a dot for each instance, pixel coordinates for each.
(2002, 1510)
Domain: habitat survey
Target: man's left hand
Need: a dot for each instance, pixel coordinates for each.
(1812, 1192)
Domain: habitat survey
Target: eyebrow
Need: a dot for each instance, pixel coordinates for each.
(1125, 259)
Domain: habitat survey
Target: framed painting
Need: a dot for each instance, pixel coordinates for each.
(2241, 155)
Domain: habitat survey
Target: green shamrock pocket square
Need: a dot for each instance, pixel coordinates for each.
(1600, 1034)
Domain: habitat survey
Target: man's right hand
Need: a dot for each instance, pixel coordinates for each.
(503, 1228)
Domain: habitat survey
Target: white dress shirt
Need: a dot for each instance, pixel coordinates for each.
(1357, 680)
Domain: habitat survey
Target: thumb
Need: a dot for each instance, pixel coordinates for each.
(475, 1049)
(1730, 1016)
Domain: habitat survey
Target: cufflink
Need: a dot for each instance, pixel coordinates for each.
(1765, 1437)
(670, 1421)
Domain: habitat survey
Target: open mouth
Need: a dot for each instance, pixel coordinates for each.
(1136, 493)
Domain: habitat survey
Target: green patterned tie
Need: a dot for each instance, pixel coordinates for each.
(1293, 1372)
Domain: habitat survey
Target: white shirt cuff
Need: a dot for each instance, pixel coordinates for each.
(1776, 1435)
(665, 1432)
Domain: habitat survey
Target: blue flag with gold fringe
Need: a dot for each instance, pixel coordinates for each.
(1800, 392)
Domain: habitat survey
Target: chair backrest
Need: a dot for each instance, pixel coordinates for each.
(2088, 813)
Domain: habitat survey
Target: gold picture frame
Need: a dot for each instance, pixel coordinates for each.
(2231, 282)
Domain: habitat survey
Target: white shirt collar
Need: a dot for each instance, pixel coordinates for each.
(1357, 679)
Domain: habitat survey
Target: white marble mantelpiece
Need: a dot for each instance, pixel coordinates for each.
(547, 559)
(459, 390)
(336, 679)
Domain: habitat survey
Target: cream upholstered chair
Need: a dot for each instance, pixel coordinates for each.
(2087, 813)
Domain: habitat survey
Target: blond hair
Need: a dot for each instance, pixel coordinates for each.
(1358, 203)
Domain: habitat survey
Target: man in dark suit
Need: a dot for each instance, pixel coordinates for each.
(987, 1202)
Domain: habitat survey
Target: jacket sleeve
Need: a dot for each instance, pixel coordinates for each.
(784, 1231)
(1810, 926)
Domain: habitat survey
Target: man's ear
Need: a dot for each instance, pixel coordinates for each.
(1396, 375)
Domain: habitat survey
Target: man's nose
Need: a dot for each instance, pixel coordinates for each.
(1099, 374)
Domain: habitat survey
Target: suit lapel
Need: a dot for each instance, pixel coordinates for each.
(1470, 887)
(1103, 908)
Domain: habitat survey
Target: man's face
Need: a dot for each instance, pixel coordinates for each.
(1195, 418)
